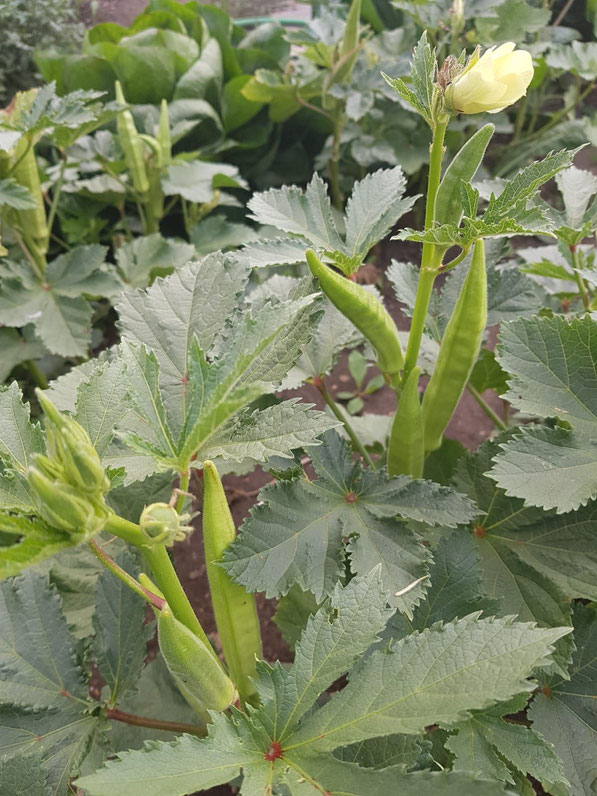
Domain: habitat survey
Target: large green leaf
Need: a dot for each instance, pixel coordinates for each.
(23, 775)
(565, 713)
(34, 540)
(55, 305)
(560, 550)
(142, 259)
(275, 548)
(423, 67)
(43, 696)
(283, 746)
(17, 347)
(554, 367)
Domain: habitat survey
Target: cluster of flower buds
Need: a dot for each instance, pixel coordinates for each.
(161, 524)
(68, 485)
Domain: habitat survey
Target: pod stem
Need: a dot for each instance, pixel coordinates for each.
(128, 580)
(499, 424)
(114, 714)
(165, 575)
(431, 257)
(339, 414)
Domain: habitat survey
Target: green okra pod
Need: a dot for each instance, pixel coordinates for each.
(199, 676)
(406, 448)
(234, 609)
(458, 352)
(366, 312)
(32, 223)
(448, 204)
(132, 145)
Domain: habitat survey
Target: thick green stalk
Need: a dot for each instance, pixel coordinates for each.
(163, 570)
(431, 257)
(234, 609)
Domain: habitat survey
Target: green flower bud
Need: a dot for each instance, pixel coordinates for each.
(71, 446)
(161, 524)
(62, 507)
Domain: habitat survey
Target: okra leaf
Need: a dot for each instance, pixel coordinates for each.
(469, 664)
(197, 180)
(274, 431)
(121, 637)
(372, 209)
(20, 439)
(34, 541)
(268, 743)
(345, 509)
(195, 301)
(562, 548)
(141, 260)
(14, 195)
(422, 79)
(275, 251)
(308, 214)
(17, 347)
(553, 364)
(61, 316)
(486, 740)
(24, 775)
(456, 589)
(101, 403)
(577, 188)
(564, 710)
(44, 703)
(379, 753)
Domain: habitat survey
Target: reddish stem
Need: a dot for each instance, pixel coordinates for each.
(114, 714)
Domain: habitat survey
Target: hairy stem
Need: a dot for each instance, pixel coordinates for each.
(486, 408)
(128, 580)
(57, 192)
(319, 383)
(579, 280)
(431, 257)
(38, 376)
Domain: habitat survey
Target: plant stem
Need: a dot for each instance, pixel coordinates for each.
(183, 487)
(565, 9)
(319, 383)
(579, 280)
(486, 408)
(114, 714)
(165, 575)
(560, 114)
(38, 376)
(57, 192)
(124, 576)
(430, 258)
(337, 198)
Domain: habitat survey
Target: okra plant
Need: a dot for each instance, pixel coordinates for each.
(452, 590)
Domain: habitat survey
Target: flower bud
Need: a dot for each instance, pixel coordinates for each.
(160, 523)
(62, 507)
(70, 445)
(493, 82)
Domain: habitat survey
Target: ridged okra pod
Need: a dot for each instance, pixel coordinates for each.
(132, 145)
(32, 223)
(199, 676)
(458, 352)
(406, 448)
(234, 609)
(366, 312)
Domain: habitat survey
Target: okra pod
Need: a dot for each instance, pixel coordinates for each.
(448, 204)
(366, 312)
(132, 145)
(199, 676)
(234, 609)
(406, 449)
(33, 223)
(458, 352)
(164, 136)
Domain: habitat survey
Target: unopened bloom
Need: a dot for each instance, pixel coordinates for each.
(498, 79)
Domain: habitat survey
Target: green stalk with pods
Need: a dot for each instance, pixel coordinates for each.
(366, 312)
(33, 224)
(458, 353)
(234, 609)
